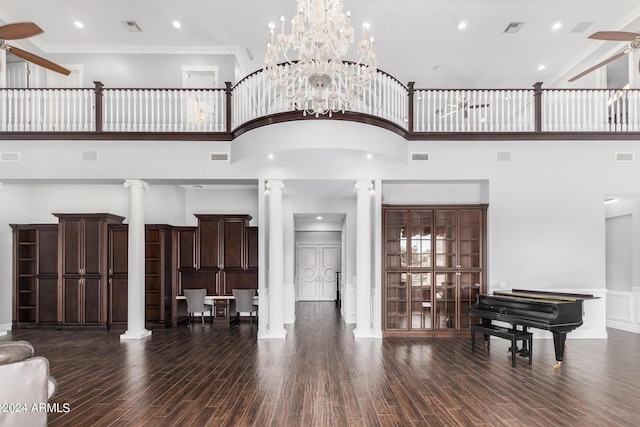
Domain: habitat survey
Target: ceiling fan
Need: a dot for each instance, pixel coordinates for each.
(617, 36)
(462, 105)
(22, 30)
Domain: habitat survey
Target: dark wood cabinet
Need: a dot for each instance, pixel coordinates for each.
(118, 278)
(433, 267)
(160, 272)
(220, 253)
(82, 240)
(35, 275)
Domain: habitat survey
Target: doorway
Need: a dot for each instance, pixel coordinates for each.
(318, 266)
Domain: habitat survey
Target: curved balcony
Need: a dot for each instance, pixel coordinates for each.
(225, 113)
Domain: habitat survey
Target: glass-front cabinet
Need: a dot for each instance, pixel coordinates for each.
(433, 266)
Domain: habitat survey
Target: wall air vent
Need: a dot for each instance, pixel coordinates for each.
(89, 156)
(624, 157)
(219, 157)
(503, 156)
(9, 157)
(419, 157)
(132, 26)
(513, 27)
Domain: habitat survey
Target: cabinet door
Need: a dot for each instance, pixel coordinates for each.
(71, 229)
(118, 251)
(187, 248)
(48, 251)
(209, 243)
(48, 300)
(234, 239)
(396, 235)
(420, 239)
(92, 300)
(470, 235)
(118, 304)
(421, 301)
(470, 287)
(396, 300)
(445, 239)
(445, 300)
(252, 247)
(92, 245)
(71, 299)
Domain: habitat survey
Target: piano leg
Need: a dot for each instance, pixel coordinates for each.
(559, 339)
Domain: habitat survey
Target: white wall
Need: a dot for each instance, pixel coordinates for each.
(619, 253)
(546, 214)
(142, 70)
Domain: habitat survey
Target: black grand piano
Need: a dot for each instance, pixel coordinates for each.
(558, 313)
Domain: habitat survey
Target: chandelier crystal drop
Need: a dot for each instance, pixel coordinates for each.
(320, 81)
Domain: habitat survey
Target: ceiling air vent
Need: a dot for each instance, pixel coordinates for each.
(132, 26)
(513, 27)
(419, 157)
(219, 157)
(624, 157)
(9, 157)
(581, 27)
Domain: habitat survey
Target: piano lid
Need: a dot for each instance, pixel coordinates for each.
(543, 295)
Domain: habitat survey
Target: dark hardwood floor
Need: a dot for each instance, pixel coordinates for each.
(321, 376)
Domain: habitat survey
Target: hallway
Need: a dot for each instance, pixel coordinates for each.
(321, 376)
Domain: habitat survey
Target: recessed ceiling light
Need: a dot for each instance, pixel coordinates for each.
(369, 156)
(177, 24)
(270, 156)
(318, 217)
(556, 26)
(78, 24)
(462, 25)
(541, 67)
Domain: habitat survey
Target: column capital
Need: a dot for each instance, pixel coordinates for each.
(128, 183)
(274, 183)
(363, 184)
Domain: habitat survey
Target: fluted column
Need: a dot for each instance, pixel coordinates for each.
(136, 302)
(276, 260)
(363, 259)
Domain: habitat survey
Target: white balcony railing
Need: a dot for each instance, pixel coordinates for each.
(48, 110)
(254, 97)
(460, 110)
(386, 102)
(164, 110)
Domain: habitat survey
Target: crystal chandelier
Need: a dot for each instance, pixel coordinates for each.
(320, 81)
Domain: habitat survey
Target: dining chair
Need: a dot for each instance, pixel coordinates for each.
(195, 303)
(245, 303)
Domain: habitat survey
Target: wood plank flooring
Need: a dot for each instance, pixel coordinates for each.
(321, 376)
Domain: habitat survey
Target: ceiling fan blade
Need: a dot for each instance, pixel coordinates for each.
(595, 67)
(618, 36)
(20, 30)
(27, 56)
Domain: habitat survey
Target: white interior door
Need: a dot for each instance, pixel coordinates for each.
(317, 268)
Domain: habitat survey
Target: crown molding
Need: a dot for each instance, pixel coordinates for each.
(145, 49)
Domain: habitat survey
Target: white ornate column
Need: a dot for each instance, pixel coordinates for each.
(136, 310)
(363, 260)
(276, 260)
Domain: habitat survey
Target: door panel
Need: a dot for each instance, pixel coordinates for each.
(307, 272)
(318, 266)
(330, 262)
(92, 299)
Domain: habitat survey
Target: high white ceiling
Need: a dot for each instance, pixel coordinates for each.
(415, 40)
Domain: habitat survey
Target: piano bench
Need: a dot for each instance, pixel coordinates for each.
(513, 335)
